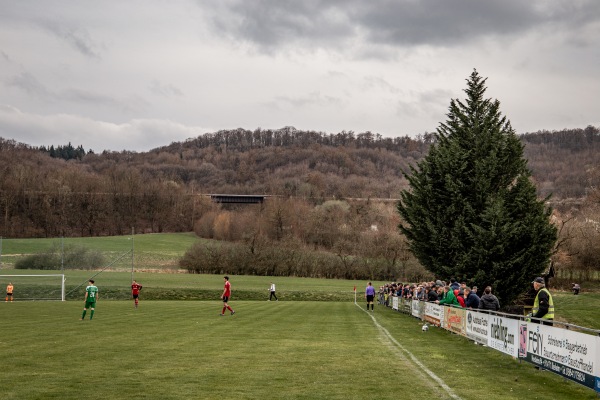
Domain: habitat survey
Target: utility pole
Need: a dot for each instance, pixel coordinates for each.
(132, 249)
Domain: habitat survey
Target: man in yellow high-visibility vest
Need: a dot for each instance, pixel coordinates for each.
(543, 306)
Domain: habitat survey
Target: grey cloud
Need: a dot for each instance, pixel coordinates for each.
(269, 24)
(166, 90)
(429, 103)
(29, 84)
(335, 24)
(5, 57)
(78, 38)
(436, 97)
(84, 96)
(380, 83)
(314, 98)
(137, 134)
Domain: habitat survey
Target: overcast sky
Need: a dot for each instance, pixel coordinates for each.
(135, 75)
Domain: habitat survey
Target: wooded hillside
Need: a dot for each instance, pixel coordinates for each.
(161, 190)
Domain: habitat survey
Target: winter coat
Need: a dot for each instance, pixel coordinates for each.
(489, 302)
(432, 295)
(472, 301)
(450, 299)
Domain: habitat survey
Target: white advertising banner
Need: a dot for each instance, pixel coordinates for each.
(567, 353)
(416, 308)
(406, 306)
(477, 326)
(395, 303)
(434, 314)
(503, 334)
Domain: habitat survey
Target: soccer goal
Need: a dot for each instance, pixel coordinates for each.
(35, 287)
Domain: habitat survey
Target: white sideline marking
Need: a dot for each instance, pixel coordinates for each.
(414, 359)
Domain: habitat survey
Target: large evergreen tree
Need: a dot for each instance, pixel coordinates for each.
(472, 210)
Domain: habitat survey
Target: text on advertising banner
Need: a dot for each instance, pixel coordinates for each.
(454, 320)
(503, 335)
(477, 326)
(434, 314)
(567, 353)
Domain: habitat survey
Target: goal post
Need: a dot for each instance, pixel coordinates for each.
(35, 287)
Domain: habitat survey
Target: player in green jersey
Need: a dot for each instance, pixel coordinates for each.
(91, 295)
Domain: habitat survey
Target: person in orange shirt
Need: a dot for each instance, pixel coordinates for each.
(9, 292)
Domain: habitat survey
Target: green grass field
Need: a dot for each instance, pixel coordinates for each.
(283, 350)
(318, 346)
(151, 251)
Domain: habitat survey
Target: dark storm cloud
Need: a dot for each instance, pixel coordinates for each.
(321, 23)
(270, 23)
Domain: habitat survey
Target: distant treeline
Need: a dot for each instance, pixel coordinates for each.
(67, 152)
(65, 191)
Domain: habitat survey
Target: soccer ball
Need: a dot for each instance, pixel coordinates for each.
(425, 328)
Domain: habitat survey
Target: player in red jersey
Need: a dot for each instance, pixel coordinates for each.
(225, 297)
(135, 292)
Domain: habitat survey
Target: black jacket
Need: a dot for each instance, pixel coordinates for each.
(472, 301)
(432, 296)
(489, 302)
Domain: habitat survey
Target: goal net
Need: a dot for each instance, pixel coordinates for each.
(34, 287)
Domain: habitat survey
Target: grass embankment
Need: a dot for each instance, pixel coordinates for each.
(580, 310)
(151, 251)
(161, 286)
(161, 253)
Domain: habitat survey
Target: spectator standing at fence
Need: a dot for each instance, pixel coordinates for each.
(422, 292)
(370, 295)
(432, 294)
(9, 292)
(460, 298)
(440, 292)
(449, 297)
(471, 299)
(488, 301)
(454, 284)
(272, 292)
(386, 294)
(543, 306)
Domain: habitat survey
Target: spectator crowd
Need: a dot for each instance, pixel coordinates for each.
(441, 292)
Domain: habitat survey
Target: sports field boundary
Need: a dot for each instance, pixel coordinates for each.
(411, 356)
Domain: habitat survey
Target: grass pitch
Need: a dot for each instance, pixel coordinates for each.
(283, 350)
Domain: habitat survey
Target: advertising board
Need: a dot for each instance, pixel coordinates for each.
(570, 354)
